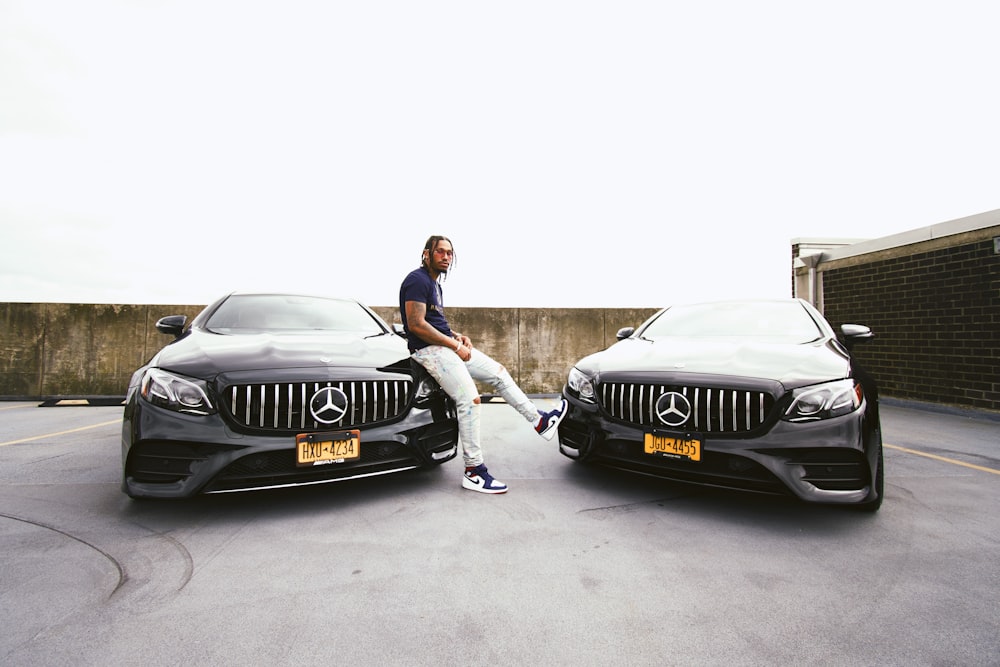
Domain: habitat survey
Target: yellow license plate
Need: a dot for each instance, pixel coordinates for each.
(313, 449)
(674, 447)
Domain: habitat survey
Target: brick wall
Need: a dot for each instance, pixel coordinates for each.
(935, 310)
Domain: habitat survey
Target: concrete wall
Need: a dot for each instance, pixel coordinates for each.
(932, 296)
(57, 350)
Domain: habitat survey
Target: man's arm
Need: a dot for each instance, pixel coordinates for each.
(416, 322)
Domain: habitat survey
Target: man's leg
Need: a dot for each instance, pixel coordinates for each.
(451, 373)
(485, 369)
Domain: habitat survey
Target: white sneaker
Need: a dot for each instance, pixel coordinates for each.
(548, 422)
(478, 479)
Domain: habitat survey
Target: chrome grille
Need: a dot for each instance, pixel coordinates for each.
(284, 406)
(713, 410)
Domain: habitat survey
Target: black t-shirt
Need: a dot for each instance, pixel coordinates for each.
(419, 286)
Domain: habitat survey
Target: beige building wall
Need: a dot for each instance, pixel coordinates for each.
(58, 350)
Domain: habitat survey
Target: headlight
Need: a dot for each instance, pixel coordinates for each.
(824, 401)
(581, 385)
(174, 392)
(425, 388)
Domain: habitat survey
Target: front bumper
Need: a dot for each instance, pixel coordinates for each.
(828, 461)
(166, 454)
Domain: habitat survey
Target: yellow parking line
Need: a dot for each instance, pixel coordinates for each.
(944, 459)
(56, 435)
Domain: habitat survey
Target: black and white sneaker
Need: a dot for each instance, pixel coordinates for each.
(548, 422)
(478, 479)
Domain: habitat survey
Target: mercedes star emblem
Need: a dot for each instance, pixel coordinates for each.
(673, 409)
(328, 405)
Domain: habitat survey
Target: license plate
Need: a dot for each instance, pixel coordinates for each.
(313, 449)
(677, 447)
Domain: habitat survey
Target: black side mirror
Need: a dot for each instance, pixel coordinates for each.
(625, 332)
(172, 325)
(854, 334)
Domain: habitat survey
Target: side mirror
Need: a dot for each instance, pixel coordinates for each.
(854, 334)
(172, 325)
(398, 329)
(625, 332)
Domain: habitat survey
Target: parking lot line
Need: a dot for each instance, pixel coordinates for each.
(55, 435)
(944, 459)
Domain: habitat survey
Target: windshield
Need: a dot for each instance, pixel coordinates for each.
(777, 321)
(254, 313)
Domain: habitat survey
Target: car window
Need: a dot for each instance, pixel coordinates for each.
(778, 321)
(256, 313)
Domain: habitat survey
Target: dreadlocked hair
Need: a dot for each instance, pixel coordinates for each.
(431, 246)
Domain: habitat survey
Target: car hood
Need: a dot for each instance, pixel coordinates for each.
(204, 355)
(792, 365)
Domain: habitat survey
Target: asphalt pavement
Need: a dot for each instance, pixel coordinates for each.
(575, 565)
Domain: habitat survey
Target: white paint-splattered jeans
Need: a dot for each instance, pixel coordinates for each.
(458, 379)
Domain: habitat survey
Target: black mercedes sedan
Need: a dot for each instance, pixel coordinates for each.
(755, 395)
(274, 390)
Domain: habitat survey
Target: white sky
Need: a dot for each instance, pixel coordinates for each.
(578, 153)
